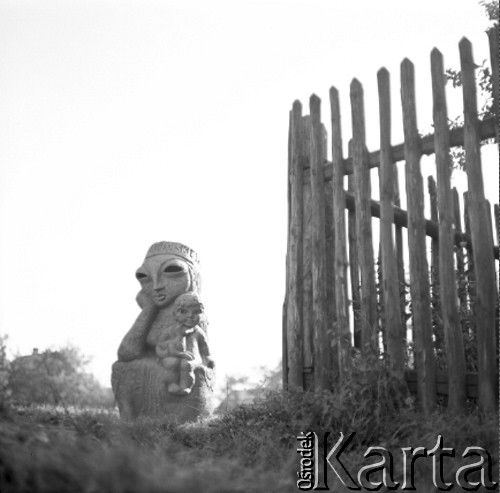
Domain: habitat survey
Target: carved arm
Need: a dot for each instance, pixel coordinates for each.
(204, 349)
(133, 344)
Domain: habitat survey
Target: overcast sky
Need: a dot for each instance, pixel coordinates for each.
(123, 123)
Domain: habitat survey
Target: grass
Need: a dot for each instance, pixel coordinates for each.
(252, 448)
(49, 450)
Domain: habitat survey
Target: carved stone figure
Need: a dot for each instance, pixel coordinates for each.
(181, 348)
(164, 365)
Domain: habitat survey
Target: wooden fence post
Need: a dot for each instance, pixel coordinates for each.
(331, 268)
(447, 282)
(497, 222)
(353, 262)
(431, 186)
(343, 336)
(294, 291)
(462, 285)
(390, 280)
(400, 260)
(419, 272)
(321, 340)
(284, 352)
(307, 283)
(470, 274)
(437, 325)
(368, 298)
(483, 258)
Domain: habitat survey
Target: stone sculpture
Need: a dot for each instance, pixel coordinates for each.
(164, 366)
(178, 347)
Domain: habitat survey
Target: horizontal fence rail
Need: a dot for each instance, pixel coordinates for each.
(487, 129)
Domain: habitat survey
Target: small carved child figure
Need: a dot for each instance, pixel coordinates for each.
(182, 347)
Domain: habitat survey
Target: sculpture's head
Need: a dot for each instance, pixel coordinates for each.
(169, 270)
(188, 309)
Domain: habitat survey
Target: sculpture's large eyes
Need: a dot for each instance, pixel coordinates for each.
(174, 268)
(141, 276)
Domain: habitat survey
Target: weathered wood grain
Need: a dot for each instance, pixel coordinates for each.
(389, 267)
(294, 288)
(487, 129)
(470, 272)
(362, 194)
(442, 387)
(401, 220)
(494, 49)
(353, 257)
(419, 271)
(446, 272)
(483, 260)
(459, 251)
(284, 351)
(331, 309)
(307, 296)
(400, 257)
(497, 222)
(322, 375)
(342, 331)
(431, 188)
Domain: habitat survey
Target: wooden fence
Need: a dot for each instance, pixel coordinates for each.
(436, 319)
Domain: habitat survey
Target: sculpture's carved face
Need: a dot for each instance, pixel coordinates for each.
(163, 278)
(189, 315)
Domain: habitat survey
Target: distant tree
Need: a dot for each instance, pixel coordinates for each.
(55, 377)
(237, 390)
(272, 377)
(262, 378)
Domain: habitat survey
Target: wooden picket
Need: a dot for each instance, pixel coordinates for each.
(389, 258)
(446, 272)
(481, 247)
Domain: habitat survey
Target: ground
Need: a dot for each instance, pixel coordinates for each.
(251, 448)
